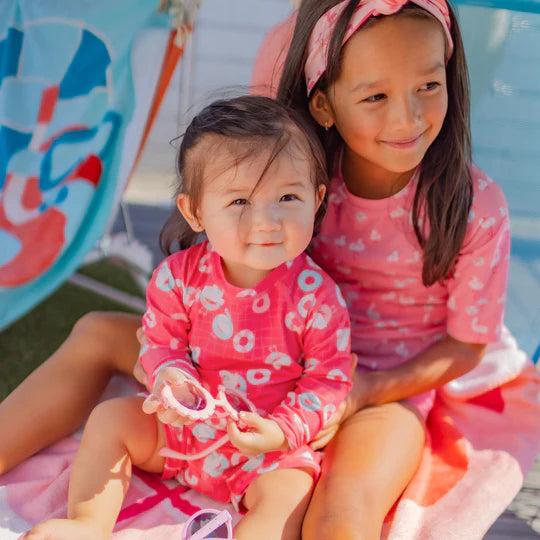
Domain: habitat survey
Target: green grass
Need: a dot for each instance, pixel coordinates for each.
(113, 274)
(33, 338)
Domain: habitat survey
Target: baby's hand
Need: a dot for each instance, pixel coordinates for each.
(154, 404)
(264, 435)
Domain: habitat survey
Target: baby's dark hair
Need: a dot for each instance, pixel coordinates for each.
(444, 192)
(246, 127)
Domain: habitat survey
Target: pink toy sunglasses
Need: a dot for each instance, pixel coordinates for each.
(202, 407)
(208, 524)
(231, 401)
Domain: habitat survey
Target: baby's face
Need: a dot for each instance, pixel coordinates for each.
(256, 227)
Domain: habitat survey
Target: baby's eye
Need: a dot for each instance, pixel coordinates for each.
(288, 197)
(375, 98)
(430, 85)
(239, 202)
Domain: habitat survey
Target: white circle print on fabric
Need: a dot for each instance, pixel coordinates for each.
(261, 303)
(190, 295)
(342, 338)
(309, 401)
(305, 304)
(164, 279)
(258, 376)
(244, 341)
(310, 364)
(309, 280)
(339, 297)
(150, 318)
(293, 322)
(278, 359)
(189, 479)
(203, 432)
(253, 462)
(222, 325)
(215, 464)
(203, 267)
(234, 381)
(290, 400)
(336, 375)
(212, 297)
(320, 319)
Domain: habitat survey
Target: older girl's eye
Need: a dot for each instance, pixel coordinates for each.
(430, 85)
(375, 98)
(288, 197)
(239, 202)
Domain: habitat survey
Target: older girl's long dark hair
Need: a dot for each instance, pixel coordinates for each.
(444, 191)
(246, 126)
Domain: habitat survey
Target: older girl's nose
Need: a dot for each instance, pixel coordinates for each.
(406, 111)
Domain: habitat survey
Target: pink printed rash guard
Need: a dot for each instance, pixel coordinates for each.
(284, 343)
(370, 249)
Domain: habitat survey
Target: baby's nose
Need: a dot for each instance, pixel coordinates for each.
(266, 217)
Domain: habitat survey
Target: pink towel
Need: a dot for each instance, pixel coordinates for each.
(482, 440)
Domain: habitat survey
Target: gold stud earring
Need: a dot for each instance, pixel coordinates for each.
(326, 125)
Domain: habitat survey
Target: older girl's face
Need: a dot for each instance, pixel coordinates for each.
(390, 100)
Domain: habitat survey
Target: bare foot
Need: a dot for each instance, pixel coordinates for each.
(65, 529)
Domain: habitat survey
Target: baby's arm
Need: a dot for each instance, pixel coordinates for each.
(320, 390)
(166, 326)
(326, 380)
(165, 356)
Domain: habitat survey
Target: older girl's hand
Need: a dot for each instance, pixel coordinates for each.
(355, 400)
(345, 409)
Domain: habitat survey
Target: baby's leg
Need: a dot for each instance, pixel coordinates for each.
(276, 502)
(365, 469)
(59, 394)
(118, 435)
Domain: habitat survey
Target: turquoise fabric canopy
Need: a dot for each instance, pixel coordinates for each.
(66, 100)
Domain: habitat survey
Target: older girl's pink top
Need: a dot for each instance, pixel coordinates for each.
(370, 249)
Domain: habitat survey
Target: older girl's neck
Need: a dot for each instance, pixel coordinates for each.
(369, 181)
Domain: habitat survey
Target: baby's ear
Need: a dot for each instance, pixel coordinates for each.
(320, 195)
(183, 203)
(321, 110)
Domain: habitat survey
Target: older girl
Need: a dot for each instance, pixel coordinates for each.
(417, 238)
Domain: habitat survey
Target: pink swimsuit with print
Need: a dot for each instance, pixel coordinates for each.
(285, 344)
(370, 249)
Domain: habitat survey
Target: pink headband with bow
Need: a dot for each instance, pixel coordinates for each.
(323, 29)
